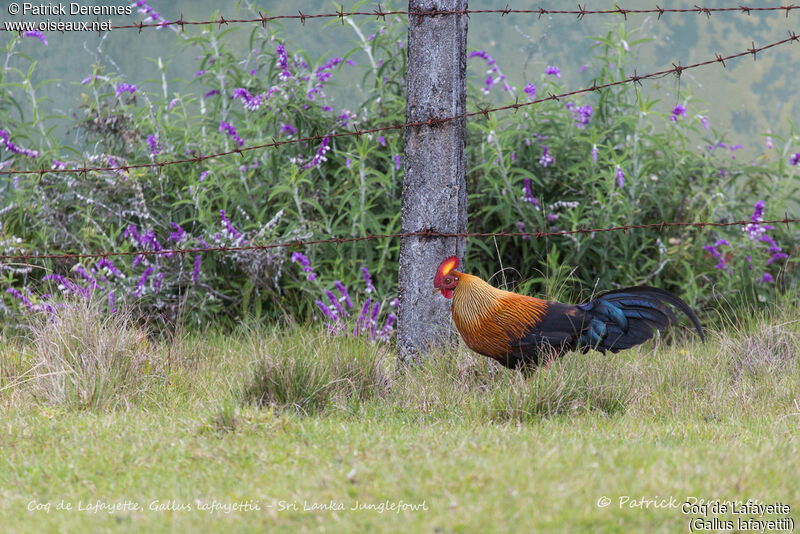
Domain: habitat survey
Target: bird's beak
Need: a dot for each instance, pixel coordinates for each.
(436, 289)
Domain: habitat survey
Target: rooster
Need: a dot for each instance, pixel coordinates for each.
(522, 332)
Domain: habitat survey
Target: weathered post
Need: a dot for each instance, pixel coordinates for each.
(434, 186)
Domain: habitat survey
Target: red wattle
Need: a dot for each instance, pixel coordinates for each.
(447, 293)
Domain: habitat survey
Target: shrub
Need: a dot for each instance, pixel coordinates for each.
(614, 157)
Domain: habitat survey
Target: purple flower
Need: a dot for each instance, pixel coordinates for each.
(553, 71)
(88, 79)
(142, 281)
(328, 65)
(344, 118)
(580, 114)
(397, 162)
(373, 323)
(583, 68)
(125, 88)
(149, 239)
(677, 112)
(343, 291)
(704, 121)
(546, 160)
(158, 281)
(794, 159)
(133, 233)
(233, 232)
(199, 73)
(336, 304)
(178, 234)
(303, 260)
(387, 329)
(288, 128)
(86, 276)
(105, 262)
(777, 256)
(367, 279)
(196, 270)
(250, 102)
(552, 216)
(482, 54)
(362, 318)
(211, 93)
(755, 230)
(11, 147)
(225, 127)
(713, 250)
(152, 141)
(530, 90)
(527, 194)
(66, 285)
(620, 177)
(327, 312)
(758, 211)
(37, 34)
(319, 157)
(283, 61)
(594, 153)
(17, 294)
(766, 278)
(381, 141)
(111, 306)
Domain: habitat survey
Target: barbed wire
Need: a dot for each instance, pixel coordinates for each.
(429, 234)
(380, 13)
(677, 70)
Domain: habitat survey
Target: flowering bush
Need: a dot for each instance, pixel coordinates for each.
(754, 257)
(614, 158)
(261, 197)
(605, 159)
(336, 310)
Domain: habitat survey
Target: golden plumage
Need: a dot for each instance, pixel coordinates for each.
(489, 318)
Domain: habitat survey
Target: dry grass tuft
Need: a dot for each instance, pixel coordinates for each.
(311, 371)
(766, 350)
(84, 358)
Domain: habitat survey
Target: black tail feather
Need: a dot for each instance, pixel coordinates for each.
(630, 315)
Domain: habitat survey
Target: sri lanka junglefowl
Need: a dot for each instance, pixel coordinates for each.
(522, 332)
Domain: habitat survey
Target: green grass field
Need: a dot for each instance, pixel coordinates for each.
(105, 429)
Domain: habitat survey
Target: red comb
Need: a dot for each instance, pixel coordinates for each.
(444, 269)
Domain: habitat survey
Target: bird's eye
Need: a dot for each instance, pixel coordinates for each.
(448, 280)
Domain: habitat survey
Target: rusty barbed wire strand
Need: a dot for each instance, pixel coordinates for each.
(379, 13)
(677, 70)
(430, 234)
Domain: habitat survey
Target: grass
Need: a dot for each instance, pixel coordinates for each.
(94, 411)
